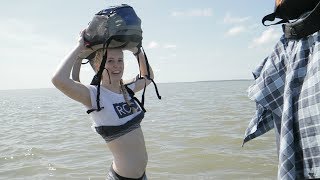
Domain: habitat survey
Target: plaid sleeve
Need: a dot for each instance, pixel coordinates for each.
(267, 92)
(261, 123)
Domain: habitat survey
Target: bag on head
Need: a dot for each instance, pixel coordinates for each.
(119, 26)
(114, 27)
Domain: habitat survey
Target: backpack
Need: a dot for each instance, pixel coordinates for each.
(114, 27)
(289, 10)
(118, 24)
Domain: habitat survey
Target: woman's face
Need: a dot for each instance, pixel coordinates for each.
(114, 64)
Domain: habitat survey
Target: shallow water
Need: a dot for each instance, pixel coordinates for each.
(194, 132)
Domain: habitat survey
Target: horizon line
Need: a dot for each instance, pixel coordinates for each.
(157, 83)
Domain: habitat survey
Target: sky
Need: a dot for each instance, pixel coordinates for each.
(185, 40)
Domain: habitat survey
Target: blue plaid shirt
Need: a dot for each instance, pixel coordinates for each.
(287, 95)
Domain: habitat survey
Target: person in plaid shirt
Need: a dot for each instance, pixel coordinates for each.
(287, 95)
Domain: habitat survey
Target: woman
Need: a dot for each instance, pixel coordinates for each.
(118, 122)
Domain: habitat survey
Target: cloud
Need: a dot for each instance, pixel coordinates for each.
(236, 30)
(155, 44)
(206, 12)
(228, 19)
(170, 46)
(166, 58)
(152, 45)
(268, 36)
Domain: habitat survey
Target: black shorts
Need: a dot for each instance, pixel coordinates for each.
(112, 175)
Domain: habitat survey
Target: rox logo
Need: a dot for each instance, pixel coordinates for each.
(123, 110)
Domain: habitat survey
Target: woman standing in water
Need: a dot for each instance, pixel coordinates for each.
(118, 122)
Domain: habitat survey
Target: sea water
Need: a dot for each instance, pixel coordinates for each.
(194, 132)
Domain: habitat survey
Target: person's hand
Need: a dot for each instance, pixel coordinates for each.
(84, 50)
(81, 40)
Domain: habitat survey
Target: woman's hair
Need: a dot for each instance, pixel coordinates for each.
(97, 59)
(125, 96)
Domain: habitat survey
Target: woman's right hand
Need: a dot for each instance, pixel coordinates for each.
(85, 49)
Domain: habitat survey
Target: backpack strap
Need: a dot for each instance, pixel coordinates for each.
(131, 94)
(97, 78)
(147, 77)
(272, 17)
(304, 27)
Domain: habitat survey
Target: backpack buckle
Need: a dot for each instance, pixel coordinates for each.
(293, 31)
(289, 31)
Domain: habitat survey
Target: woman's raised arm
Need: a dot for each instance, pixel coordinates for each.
(62, 81)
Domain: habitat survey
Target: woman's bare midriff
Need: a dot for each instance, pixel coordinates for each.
(130, 155)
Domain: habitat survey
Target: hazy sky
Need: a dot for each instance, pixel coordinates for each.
(185, 40)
